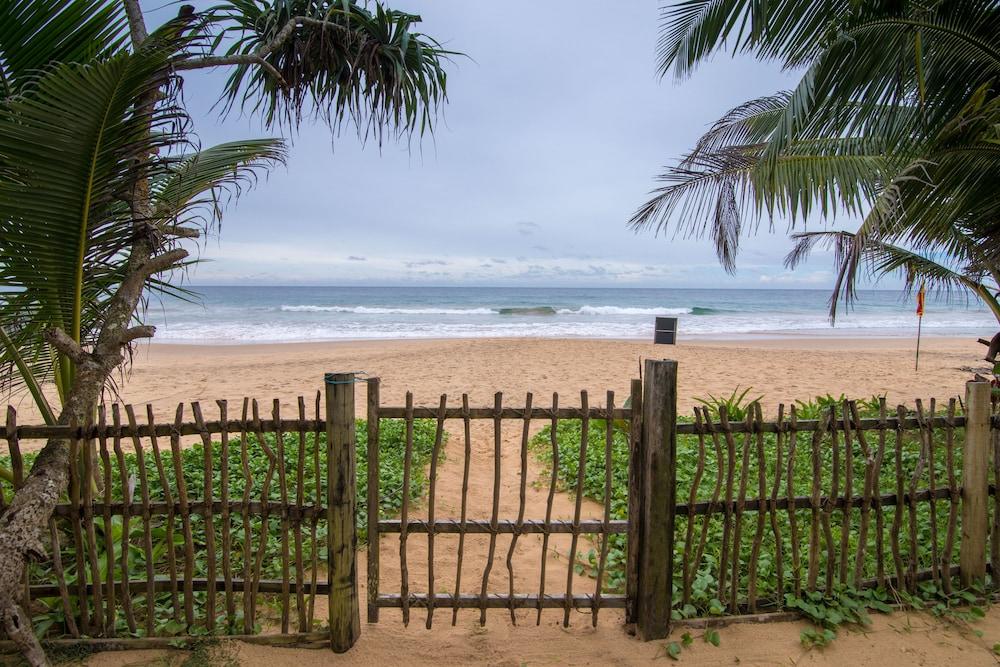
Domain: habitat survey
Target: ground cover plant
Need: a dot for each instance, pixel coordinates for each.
(702, 596)
(48, 615)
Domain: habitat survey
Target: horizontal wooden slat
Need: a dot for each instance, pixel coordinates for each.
(166, 430)
(808, 425)
(41, 432)
(805, 502)
(161, 585)
(197, 506)
(497, 601)
(482, 526)
(505, 413)
(320, 639)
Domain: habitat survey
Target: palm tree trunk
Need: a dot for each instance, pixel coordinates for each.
(26, 519)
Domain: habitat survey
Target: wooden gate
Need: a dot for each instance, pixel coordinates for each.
(430, 525)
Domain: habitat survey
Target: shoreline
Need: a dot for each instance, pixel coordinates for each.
(851, 341)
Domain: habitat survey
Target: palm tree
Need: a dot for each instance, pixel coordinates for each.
(100, 183)
(894, 121)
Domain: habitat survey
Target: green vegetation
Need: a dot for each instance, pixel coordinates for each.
(392, 437)
(704, 595)
(893, 123)
(674, 649)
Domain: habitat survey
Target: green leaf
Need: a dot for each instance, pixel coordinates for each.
(674, 650)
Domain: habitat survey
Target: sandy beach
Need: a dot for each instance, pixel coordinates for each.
(781, 370)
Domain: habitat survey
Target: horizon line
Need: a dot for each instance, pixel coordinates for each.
(539, 287)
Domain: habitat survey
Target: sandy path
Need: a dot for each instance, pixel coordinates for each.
(527, 557)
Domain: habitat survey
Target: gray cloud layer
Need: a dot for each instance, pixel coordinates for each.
(555, 128)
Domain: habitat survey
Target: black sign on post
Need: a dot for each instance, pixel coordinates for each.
(666, 331)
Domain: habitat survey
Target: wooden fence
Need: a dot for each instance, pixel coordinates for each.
(267, 531)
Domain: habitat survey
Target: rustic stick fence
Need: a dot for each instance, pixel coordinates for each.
(144, 551)
(201, 540)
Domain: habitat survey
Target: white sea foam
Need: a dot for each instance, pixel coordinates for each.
(370, 310)
(583, 310)
(617, 310)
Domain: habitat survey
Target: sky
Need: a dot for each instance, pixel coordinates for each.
(555, 128)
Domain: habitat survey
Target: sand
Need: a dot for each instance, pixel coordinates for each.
(780, 370)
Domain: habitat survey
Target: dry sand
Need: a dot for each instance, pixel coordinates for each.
(781, 370)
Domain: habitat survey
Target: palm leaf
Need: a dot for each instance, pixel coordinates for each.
(63, 225)
(341, 62)
(37, 33)
(204, 179)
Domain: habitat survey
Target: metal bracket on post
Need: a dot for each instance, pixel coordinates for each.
(342, 534)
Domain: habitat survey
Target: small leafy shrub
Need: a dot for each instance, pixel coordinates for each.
(736, 405)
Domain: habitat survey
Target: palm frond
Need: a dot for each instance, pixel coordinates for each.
(726, 190)
(340, 62)
(37, 33)
(205, 180)
(790, 31)
(872, 64)
(856, 258)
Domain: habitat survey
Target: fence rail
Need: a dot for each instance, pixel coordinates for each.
(242, 532)
(216, 427)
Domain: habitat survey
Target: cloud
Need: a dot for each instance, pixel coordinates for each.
(355, 258)
(527, 228)
(797, 278)
(426, 262)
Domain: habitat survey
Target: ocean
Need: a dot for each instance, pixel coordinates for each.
(233, 315)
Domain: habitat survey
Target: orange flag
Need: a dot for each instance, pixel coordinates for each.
(920, 320)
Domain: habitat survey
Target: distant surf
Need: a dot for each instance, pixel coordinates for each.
(514, 310)
(278, 314)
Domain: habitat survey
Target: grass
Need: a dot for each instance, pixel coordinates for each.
(51, 621)
(705, 596)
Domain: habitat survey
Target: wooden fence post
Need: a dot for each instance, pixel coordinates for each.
(342, 535)
(975, 489)
(656, 542)
(636, 462)
(373, 475)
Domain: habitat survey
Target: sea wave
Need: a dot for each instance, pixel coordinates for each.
(372, 310)
(514, 310)
(528, 310)
(618, 310)
(304, 328)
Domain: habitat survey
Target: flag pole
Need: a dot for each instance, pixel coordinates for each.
(920, 321)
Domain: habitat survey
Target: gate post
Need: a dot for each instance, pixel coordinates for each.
(636, 462)
(342, 535)
(975, 485)
(656, 536)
